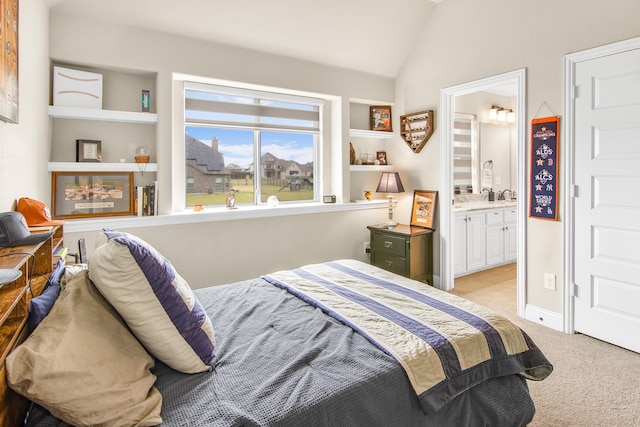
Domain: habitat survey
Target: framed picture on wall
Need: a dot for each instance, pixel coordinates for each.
(91, 194)
(380, 117)
(9, 61)
(423, 208)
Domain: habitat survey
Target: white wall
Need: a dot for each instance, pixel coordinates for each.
(24, 147)
(466, 40)
(225, 251)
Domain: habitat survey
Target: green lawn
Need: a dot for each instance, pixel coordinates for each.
(244, 195)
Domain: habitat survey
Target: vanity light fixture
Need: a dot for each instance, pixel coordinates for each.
(493, 112)
(499, 114)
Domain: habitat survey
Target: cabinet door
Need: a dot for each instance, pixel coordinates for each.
(510, 242)
(475, 242)
(495, 244)
(459, 245)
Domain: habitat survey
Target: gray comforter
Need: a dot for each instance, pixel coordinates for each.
(282, 362)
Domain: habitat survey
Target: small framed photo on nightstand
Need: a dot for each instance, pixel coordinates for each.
(88, 150)
(424, 208)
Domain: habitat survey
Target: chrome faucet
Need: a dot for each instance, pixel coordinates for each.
(489, 192)
(501, 195)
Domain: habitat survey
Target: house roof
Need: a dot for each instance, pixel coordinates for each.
(203, 154)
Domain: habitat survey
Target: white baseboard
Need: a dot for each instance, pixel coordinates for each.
(544, 317)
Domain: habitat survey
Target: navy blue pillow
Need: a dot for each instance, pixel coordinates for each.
(40, 306)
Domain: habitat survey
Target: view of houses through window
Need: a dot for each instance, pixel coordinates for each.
(221, 161)
(249, 144)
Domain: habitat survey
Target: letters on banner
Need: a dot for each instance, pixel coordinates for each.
(543, 200)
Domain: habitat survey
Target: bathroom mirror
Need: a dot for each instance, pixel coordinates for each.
(478, 139)
(495, 145)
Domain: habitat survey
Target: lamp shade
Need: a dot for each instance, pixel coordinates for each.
(390, 183)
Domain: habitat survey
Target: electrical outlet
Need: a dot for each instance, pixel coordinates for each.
(550, 281)
(367, 247)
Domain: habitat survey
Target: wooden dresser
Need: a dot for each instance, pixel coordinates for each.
(36, 263)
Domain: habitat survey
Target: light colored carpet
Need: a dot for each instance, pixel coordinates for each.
(593, 383)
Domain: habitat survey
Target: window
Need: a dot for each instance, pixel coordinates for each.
(252, 143)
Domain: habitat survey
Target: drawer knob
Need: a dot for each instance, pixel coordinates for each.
(388, 263)
(388, 244)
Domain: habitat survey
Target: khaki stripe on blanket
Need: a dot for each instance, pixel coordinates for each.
(435, 336)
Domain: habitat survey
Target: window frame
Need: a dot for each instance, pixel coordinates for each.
(271, 95)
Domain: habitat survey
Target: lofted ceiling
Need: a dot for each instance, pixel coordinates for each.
(373, 36)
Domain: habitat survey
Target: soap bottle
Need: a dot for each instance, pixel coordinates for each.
(492, 195)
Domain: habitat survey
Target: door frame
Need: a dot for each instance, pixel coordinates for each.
(447, 96)
(567, 153)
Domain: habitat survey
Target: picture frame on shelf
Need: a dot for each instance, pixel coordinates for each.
(88, 150)
(381, 156)
(380, 117)
(423, 208)
(9, 64)
(91, 194)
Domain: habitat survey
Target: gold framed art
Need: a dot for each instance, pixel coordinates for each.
(91, 194)
(423, 209)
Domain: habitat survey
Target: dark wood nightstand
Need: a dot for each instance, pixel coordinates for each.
(403, 250)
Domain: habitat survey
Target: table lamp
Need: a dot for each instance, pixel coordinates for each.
(390, 183)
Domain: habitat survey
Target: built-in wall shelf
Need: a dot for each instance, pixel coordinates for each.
(363, 133)
(102, 167)
(371, 168)
(102, 115)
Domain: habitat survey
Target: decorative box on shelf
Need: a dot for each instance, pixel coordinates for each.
(75, 88)
(416, 129)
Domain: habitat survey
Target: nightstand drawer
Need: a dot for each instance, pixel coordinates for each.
(391, 245)
(404, 250)
(391, 263)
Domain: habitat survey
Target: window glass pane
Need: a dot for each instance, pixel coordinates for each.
(218, 161)
(286, 165)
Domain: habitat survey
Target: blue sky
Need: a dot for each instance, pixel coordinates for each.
(237, 145)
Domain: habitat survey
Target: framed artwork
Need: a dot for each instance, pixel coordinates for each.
(423, 208)
(380, 117)
(9, 61)
(88, 150)
(91, 194)
(381, 156)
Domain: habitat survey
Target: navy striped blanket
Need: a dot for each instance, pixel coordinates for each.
(445, 344)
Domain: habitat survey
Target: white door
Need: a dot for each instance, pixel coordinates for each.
(607, 203)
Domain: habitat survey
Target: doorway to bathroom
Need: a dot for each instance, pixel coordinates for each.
(470, 96)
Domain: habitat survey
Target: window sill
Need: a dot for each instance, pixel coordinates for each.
(215, 214)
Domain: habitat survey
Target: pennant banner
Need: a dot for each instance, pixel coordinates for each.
(543, 200)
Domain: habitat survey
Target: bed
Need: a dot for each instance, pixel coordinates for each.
(285, 349)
